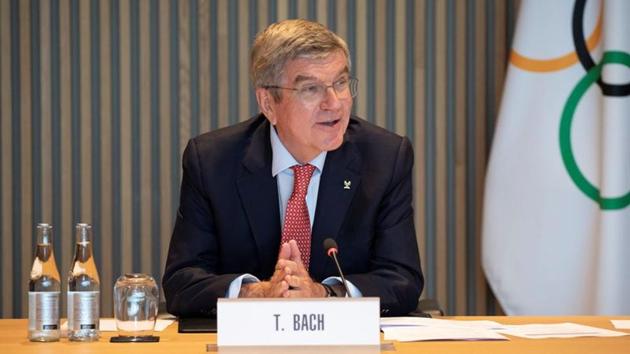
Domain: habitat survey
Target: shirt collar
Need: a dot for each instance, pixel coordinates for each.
(282, 158)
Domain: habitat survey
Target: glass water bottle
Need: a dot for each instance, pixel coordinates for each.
(43, 290)
(83, 290)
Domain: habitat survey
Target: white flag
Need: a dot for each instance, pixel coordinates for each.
(556, 224)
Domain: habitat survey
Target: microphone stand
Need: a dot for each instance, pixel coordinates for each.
(333, 253)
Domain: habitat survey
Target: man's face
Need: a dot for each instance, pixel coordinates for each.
(307, 127)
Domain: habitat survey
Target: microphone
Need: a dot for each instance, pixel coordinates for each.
(330, 246)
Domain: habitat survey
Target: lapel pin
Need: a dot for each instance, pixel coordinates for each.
(346, 184)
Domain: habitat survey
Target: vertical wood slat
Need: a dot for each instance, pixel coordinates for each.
(370, 60)
(419, 76)
(115, 126)
(242, 64)
(93, 202)
(342, 14)
(451, 210)
(26, 124)
(192, 22)
(263, 12)
(282, 10)
(85, 118)
(36, 113)
(204, 65)
(167, 203)
(428, 138)
(131, 137)
(399, 56)
(154, 129)
(233, 23)
(322, 13)
(174, 102)
(92, 198)
(106, 272)
(46, 108)
(254, 13)
(125, 134)
(184, 74)
(135, 112)
(360, 66)
(302, 8)
(380, 66)
(213, 83)
(66, 231)
(459, 143)
(472, 262)
(480, 128)
(222, 62)
(6, 208)
(55, 129)
(440, 154)
(145, 162)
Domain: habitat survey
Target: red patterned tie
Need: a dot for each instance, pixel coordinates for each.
(297, 225)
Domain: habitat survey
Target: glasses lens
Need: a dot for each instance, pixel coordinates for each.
(315, 92)
(311, 92)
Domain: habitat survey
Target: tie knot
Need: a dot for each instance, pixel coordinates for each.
(302, 176)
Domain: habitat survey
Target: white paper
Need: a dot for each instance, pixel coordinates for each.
(427, 333)
(558, 330)
(621, 324)
(407, 329)
(109, 325)
(162, 324)
(420, 328)
(423, 321)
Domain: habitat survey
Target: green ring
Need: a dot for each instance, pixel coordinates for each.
(566, 121)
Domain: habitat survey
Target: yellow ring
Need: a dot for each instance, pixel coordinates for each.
(558, 63)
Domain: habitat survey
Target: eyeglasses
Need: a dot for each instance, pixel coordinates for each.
(315, 91)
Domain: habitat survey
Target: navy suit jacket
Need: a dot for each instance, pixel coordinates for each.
(228, 221)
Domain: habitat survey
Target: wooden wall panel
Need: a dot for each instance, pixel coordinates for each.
(100, 97)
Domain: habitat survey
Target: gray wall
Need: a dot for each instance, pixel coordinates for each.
(98, 99)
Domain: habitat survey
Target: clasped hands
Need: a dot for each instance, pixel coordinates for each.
(290, 278)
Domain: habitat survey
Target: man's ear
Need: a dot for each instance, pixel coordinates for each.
(266, 104)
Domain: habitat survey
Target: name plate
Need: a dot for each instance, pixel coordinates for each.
(280, 322)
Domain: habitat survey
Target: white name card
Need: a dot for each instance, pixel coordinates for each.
(280, 322)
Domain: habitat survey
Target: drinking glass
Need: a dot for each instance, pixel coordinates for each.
(136, 299)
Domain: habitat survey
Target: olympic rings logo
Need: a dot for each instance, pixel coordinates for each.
(593, 74)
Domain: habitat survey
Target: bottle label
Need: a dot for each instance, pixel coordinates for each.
(43, 310)
(83, 310)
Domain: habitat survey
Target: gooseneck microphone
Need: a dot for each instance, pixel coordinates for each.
(330, 246)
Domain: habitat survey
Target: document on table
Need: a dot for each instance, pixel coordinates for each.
(109, 324)
(621, 324)
(408, 329)
(558, 330)
(423, 321)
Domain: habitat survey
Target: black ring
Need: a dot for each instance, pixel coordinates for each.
(585, 57)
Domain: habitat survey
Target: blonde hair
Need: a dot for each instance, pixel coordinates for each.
(287, 40)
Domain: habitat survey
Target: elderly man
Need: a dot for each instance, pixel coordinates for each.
(258, 198)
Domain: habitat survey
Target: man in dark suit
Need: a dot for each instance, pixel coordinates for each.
(258, 198)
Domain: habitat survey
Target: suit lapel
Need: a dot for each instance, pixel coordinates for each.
(259, 194)
(340, 179)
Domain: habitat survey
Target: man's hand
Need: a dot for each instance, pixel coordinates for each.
(264, 289)
(290, 278)
(300, 282)
(274, 287)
